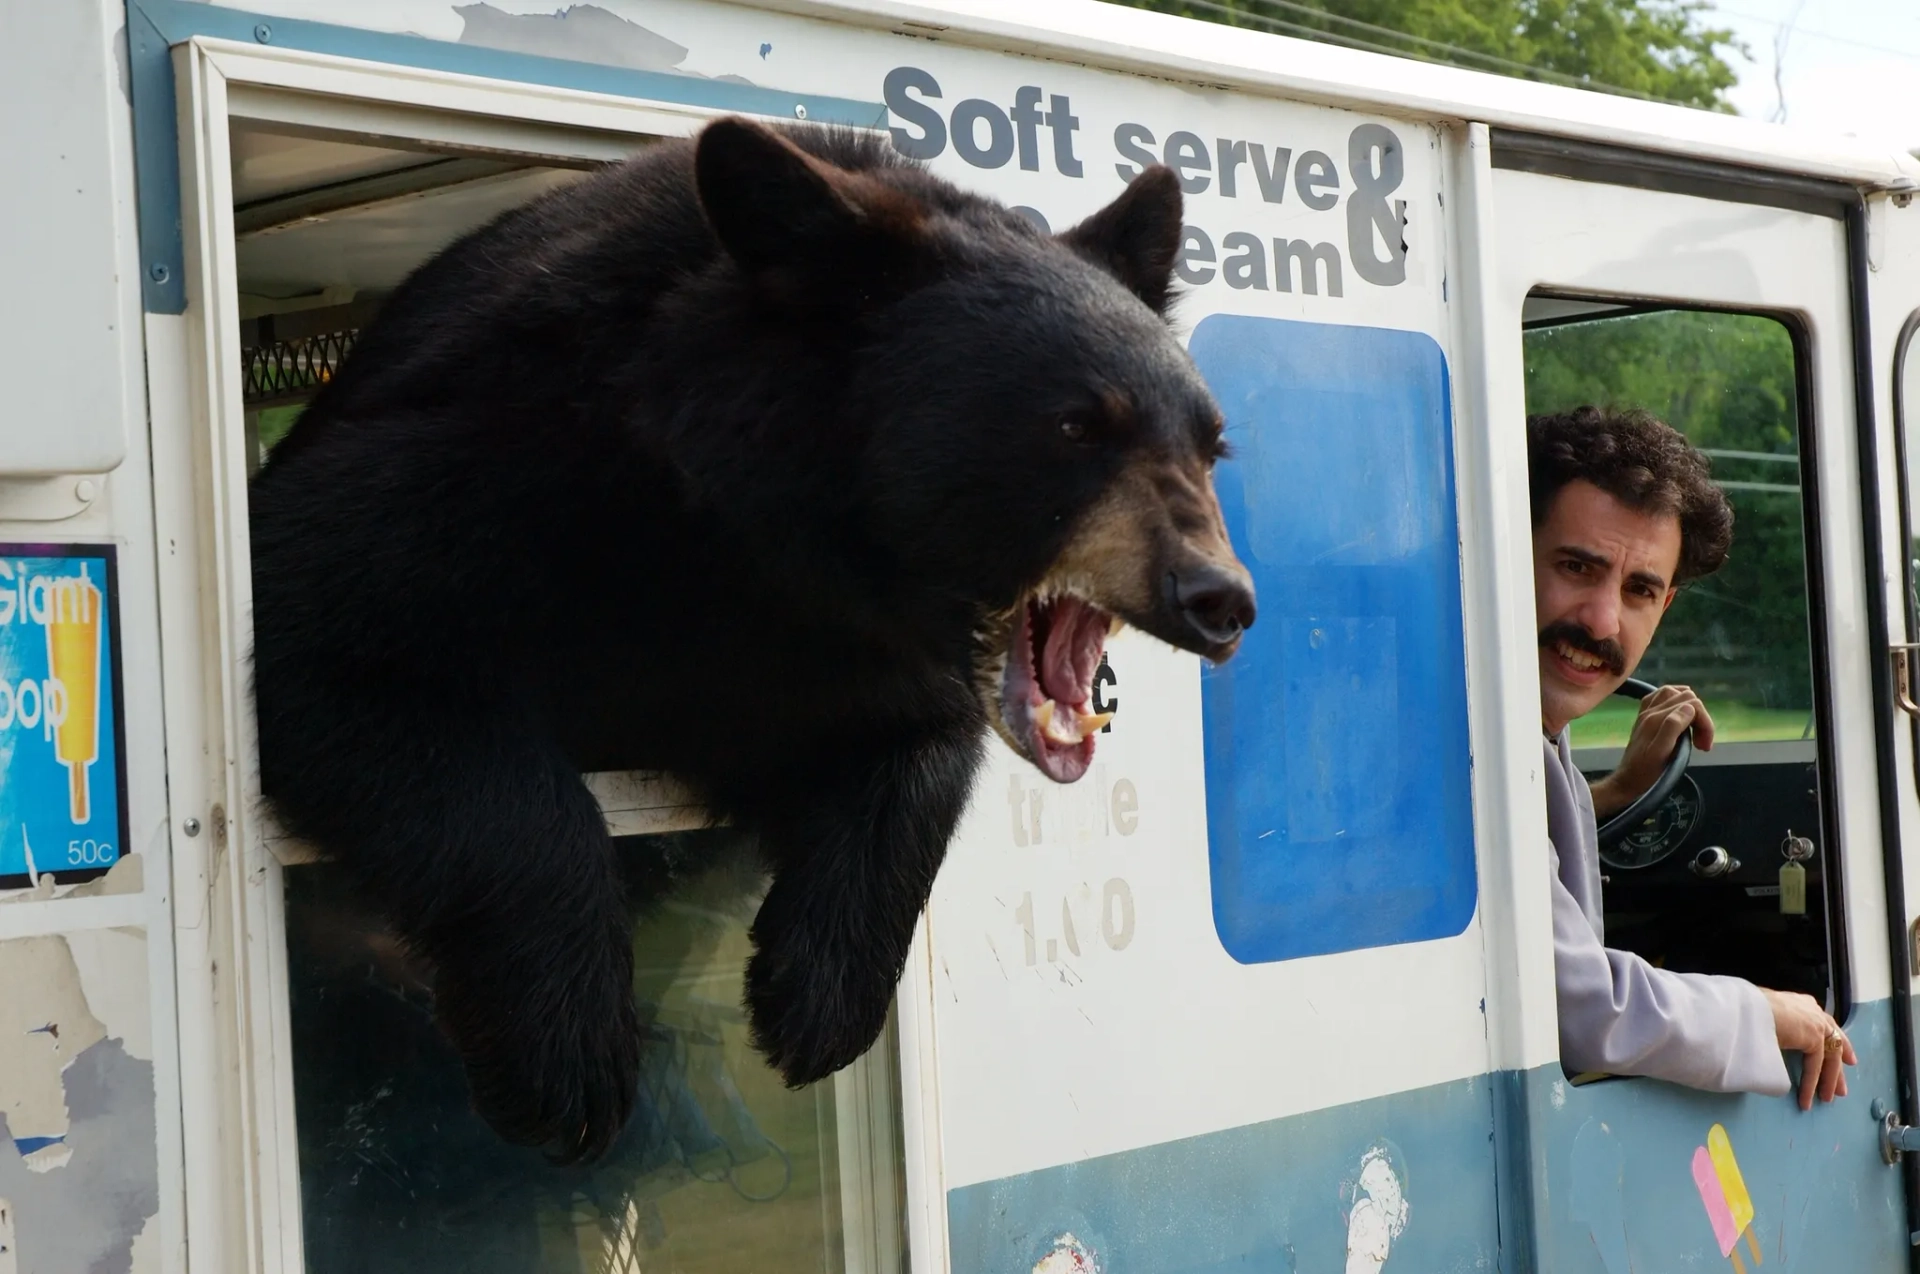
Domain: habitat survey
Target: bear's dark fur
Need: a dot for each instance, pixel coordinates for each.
(769, 461)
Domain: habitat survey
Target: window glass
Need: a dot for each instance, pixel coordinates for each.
(722, 1169)
(1727, 381)
(1729, 873)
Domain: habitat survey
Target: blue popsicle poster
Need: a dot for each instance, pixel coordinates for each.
(62, 776)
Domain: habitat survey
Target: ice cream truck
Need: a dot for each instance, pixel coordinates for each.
(1272, 987)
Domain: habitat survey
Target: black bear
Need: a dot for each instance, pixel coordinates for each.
(768, 460)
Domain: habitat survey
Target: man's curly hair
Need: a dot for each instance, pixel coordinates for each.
(1641, 461)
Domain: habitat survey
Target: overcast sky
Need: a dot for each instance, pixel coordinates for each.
(1849, 65)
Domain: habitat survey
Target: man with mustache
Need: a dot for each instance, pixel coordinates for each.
(1624, 514)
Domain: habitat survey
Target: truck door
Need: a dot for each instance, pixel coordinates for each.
(1891, 263)
(1729, 303)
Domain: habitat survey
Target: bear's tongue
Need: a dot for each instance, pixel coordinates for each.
(1069, 650)
(1061, 648)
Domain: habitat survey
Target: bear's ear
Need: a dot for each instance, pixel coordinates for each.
(1137, 236)
(790, 219)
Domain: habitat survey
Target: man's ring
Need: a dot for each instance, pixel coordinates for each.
(1836, 1042)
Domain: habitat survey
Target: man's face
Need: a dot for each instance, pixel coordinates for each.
(1602, 578)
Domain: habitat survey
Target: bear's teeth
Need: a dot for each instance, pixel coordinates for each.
(1056, 729)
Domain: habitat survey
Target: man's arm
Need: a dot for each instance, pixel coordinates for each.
(1664, 715)
(1621, 1015)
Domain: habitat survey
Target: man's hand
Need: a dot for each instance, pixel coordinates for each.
(1803, 1027)
(1664, 714)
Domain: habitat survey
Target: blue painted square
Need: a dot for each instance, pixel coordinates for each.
(1338, 809)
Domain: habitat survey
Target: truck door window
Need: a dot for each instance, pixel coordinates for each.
(1746, 639)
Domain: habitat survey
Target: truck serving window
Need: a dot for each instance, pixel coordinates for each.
(1746, 638)
(722, 1167)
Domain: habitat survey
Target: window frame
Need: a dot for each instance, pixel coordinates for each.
(239, 1139)
(1903, 363)
(1806, 437)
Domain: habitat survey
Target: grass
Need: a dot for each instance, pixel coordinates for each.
(1608, 725)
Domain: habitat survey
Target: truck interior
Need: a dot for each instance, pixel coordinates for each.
(1697, 884)
(722, 1168)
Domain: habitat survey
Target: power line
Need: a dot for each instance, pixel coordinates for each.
(1372, 28)
(1504, 65)
(1440, 52)
(1905, 54)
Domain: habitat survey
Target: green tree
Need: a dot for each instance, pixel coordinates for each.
(1657, 49)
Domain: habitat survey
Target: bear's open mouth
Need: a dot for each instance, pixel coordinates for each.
(1046, 689)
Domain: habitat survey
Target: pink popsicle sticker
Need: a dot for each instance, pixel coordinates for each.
(1715, 1200)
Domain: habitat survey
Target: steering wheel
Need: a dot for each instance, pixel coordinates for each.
(1615, 829)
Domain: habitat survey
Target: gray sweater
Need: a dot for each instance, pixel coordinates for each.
(1618, 1013)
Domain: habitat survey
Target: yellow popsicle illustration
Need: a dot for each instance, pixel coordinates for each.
(73, 659)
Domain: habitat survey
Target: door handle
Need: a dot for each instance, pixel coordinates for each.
(1903, 676)
(1896, 1138)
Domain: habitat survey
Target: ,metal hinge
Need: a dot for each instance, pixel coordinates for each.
(1903, 677)
(1896, 1138)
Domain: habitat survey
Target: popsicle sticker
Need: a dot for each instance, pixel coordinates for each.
(1723, 1192)
(73, 662)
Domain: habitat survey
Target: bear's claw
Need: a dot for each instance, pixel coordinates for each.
(552, 1057)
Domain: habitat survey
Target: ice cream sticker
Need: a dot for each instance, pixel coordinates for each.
(62, 781)
(1723, 1192)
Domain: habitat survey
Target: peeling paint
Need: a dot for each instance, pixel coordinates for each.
(1379, 1213)
(146, 1247)
(579, 33)
(1069, 1256)
(43, 1154)
(106, 959)
(78, 1152)
(44, 1024)
(126, 876)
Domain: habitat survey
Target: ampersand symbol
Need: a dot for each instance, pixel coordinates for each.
(1368, 209)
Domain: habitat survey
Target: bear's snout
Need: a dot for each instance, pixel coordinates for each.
(1214, 601)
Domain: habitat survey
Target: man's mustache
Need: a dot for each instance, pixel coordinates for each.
(1605, 649)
